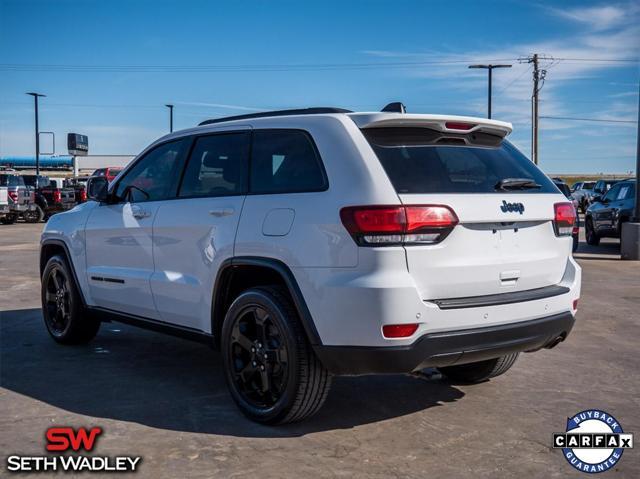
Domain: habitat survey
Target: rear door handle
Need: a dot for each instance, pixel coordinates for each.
(220, 212)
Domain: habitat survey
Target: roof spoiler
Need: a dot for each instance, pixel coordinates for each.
(441, 123)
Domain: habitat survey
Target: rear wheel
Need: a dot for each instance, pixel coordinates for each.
(592, 237)
(9, 219)
(271, 370)
(65, 317)
(481, 371)
(34, 216)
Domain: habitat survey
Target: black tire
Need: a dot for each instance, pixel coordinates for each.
(9, 219)
(65, 317)
(272, 372)
(481, 371)
(590, 234)
(34, 216)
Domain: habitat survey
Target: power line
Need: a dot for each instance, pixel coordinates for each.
(270, 67)
(603, 120)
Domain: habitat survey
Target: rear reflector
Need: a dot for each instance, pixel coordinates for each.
(399, 330)
(564, 218)
(458, 125)
(393, 225)
(575, 305)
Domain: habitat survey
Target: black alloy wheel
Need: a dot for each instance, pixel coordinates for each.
(259, 357)
(66, 318)
(272, 373)
(57, 301)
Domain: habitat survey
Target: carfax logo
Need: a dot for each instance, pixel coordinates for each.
(66, 439)
(593, 441)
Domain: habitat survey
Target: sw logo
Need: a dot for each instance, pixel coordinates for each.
(512, 207)
(593, 441)
(67, 439)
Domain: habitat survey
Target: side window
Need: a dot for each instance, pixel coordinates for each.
(627, 192)
(285, 161)
(153, 177)
(217, 166)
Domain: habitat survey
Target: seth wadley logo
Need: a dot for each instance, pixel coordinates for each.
(66, 439)
(593, 441)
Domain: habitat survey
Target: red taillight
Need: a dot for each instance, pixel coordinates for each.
(458, 125)
(83, 195)
(399, 330)
(564, 219)
(393, 225)
(575, 305)
(13, 195)
(57, 196)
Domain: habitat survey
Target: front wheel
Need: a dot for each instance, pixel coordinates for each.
(590, 234)
(481, 371)
(271, 370)
(65, 317)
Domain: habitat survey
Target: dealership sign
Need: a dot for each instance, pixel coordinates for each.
(70, 440)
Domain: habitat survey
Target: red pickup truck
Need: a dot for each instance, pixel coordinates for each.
(50, 195)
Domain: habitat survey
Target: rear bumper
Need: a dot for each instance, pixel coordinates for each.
(22, 208)
(448, 348)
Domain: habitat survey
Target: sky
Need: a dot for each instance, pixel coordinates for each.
(109, 67)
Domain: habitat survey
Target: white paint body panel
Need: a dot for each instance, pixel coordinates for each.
(170, 259)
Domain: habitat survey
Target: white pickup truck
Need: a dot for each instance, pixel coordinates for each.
(4, 201)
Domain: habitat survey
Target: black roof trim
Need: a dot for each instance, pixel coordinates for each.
(264, 114)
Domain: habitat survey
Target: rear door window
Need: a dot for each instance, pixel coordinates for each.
(217, 166)
(285, 161)
(422, 167)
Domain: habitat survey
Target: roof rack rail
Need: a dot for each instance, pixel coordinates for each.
(264, 114)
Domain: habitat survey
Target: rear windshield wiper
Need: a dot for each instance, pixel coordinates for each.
(516, 184)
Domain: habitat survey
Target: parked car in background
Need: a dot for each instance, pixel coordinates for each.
(566, 191)
(600, 189)
(79, 185)
(581, 192)
(605, 216)
(21, 199)
(110, 172)
(51, 196)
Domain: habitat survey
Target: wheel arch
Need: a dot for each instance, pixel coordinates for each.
(51, 247)
(239, 273)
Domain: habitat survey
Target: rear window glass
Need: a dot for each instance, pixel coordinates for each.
(428, 168)
(285, 161)
(11, 180)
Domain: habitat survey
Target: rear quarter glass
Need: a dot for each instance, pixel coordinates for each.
(423, 165)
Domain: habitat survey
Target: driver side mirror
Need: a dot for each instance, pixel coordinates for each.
(98, 188)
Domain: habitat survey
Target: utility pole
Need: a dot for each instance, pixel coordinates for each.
(489, 68)
(35, 98)
(538, 81)
(170, 107)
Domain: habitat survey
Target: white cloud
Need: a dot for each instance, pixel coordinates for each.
(600, 17)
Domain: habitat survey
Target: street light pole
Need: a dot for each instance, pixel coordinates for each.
(489, 68)
(35, 98)
(170, 107)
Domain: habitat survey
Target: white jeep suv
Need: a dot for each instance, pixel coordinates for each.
(308, 243)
